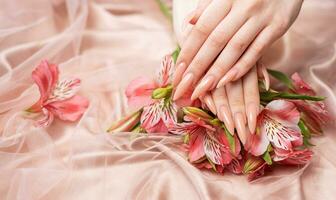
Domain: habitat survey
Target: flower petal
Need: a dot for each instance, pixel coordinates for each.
(257, 143)
(139, 92)
(70, 109)
(215, 151)
(151, 116)
(300, 86)
(166, 71)
(196, 150)
(297, 157)
(47, 119)
(169, 114)
(284, 110)
(45, 76)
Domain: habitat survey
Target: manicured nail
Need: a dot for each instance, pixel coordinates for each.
(226, 117)
(186, 82)
(252, 112)
(180, 69)
(227, 77)
(240, 125)
(203, 87)
(266, 77)
(210, 103)
(193, 19)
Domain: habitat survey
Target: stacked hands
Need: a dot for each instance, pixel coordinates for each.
(221, 43)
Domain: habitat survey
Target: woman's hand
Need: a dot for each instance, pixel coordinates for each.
(228, 37)
(237, 103)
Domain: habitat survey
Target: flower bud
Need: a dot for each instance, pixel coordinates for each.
(252, 164)
(126, 124)
(197, 113)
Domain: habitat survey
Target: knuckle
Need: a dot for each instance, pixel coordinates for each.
(201, 29)
(216, 41)
(281, 25)
(239, 45)
(253, 6)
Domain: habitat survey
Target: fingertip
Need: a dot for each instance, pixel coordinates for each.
(180, 69)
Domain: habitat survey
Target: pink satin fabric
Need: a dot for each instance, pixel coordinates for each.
(106, 44)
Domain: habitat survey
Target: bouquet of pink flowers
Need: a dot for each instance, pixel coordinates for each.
(287, 121)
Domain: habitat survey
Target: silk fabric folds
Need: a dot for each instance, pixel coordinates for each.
(106, 44)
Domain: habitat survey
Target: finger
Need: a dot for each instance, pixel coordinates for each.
(223, 109)
(224, 32)
(230, 54)
(209, 102)
(252, 54)
(251, 97)
(262, 73)
(202, 5)
(210, 18)
(236, 102)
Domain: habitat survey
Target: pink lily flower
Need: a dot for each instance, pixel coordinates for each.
(276, 124)
(58, 98)
(315, 113)
(206, 141)
(154, 95)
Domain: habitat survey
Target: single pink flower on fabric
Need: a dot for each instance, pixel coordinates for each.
(276, 124)
(293, 157)
(57, 98)
(315, 112)
(206, 141)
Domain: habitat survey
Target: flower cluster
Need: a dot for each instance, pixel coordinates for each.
(285, 125)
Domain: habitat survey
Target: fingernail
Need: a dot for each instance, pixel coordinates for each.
(179, 73)
(240, 125)
(266, 77)
(203, 87)
(186, 82)
(193, 20)
(209, 102)
(227, 77)
(226, 117)
(252, 112)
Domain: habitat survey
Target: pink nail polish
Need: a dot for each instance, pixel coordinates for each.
(186, 82)
(180, 69)
(203, 87)
(209, 102)
(226, 117)
(252, 112)
(227, 78)
(240, 125)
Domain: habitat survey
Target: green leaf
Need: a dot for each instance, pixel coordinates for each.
(267, 157)
(281, 77)
(165, 10)
(269, 96)
(305, 133)
(176, 53)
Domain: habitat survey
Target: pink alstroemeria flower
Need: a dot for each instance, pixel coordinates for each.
(58, 98)
(154, 96)
(276, 124)
(316, 113)
(206, 141)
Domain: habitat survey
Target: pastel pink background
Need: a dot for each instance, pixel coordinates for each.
(106, 44)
